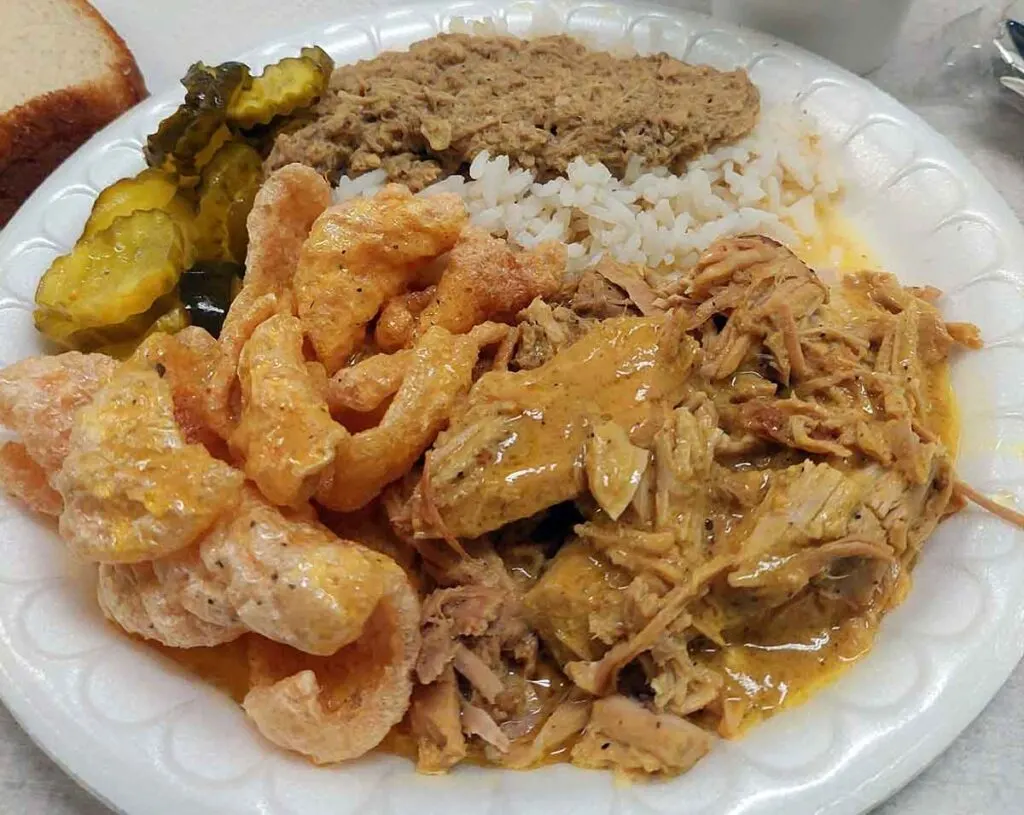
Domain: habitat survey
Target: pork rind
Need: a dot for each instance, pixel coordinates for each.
(340, 707)
(25, 480)
(360, 254)
(398, 320)
(365, 386)
(291, 579)
(286, 435)
(488, 280)
(40, 395)
(284, 576)
(245, 317)
(439, 373)
(134, 597)
(189, 361)
(199, 590)
(282, 214)
(133, 488)
(485, 279)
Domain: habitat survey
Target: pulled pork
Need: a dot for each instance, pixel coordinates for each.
(774, 497)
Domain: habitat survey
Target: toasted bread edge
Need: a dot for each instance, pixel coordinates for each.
(37, 136)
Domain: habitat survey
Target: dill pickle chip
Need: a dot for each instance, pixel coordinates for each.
(170, 322)
(116, 274)
(226, 192)
(64, 332)
(182, 136)
(221, 137)
(282, 88)
(319, 57)
(150, 189)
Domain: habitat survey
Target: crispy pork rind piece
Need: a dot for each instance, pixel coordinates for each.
(360, 254)
(438, 375)
(285, 208)
(22, 478)
(188, 361)
(199, 590)
(134, 489)
(339, 707)
(284, 576)
(398, 321)
(286, 435)
(488, 280)
(39, 397)
(136, 598)
(484, 279)
(292, 580)
(244, 317)
(365, 386)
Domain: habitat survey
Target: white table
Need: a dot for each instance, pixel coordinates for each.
(935, 71)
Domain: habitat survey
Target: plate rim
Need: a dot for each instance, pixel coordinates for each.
(88, 769)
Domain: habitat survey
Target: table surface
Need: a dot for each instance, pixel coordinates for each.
(941, 69)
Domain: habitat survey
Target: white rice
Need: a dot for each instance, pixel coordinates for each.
(775, 182)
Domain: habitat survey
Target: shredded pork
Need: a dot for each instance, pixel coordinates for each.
(791, 480)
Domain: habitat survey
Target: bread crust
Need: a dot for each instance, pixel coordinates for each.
(35, 137)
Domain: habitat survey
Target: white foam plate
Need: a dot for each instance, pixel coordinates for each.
(146, 738)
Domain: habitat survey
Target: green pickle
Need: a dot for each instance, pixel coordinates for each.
(123, 280)
(113, 276)
(150, 189)
(170, 322)
(182, 136)
(284, 87)
(226, 192)
(66, 334)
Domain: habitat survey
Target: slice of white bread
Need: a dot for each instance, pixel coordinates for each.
(64, 74)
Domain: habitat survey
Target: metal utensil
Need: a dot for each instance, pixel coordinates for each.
(1010, 47)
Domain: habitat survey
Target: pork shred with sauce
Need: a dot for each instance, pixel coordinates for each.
(424, 114)
(631, 563)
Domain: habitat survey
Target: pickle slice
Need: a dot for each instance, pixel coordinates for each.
(65, 333)
(118, 273)
(182, 136)
(170, 322)
(283, 88)
(150, 189)
(229, 185)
